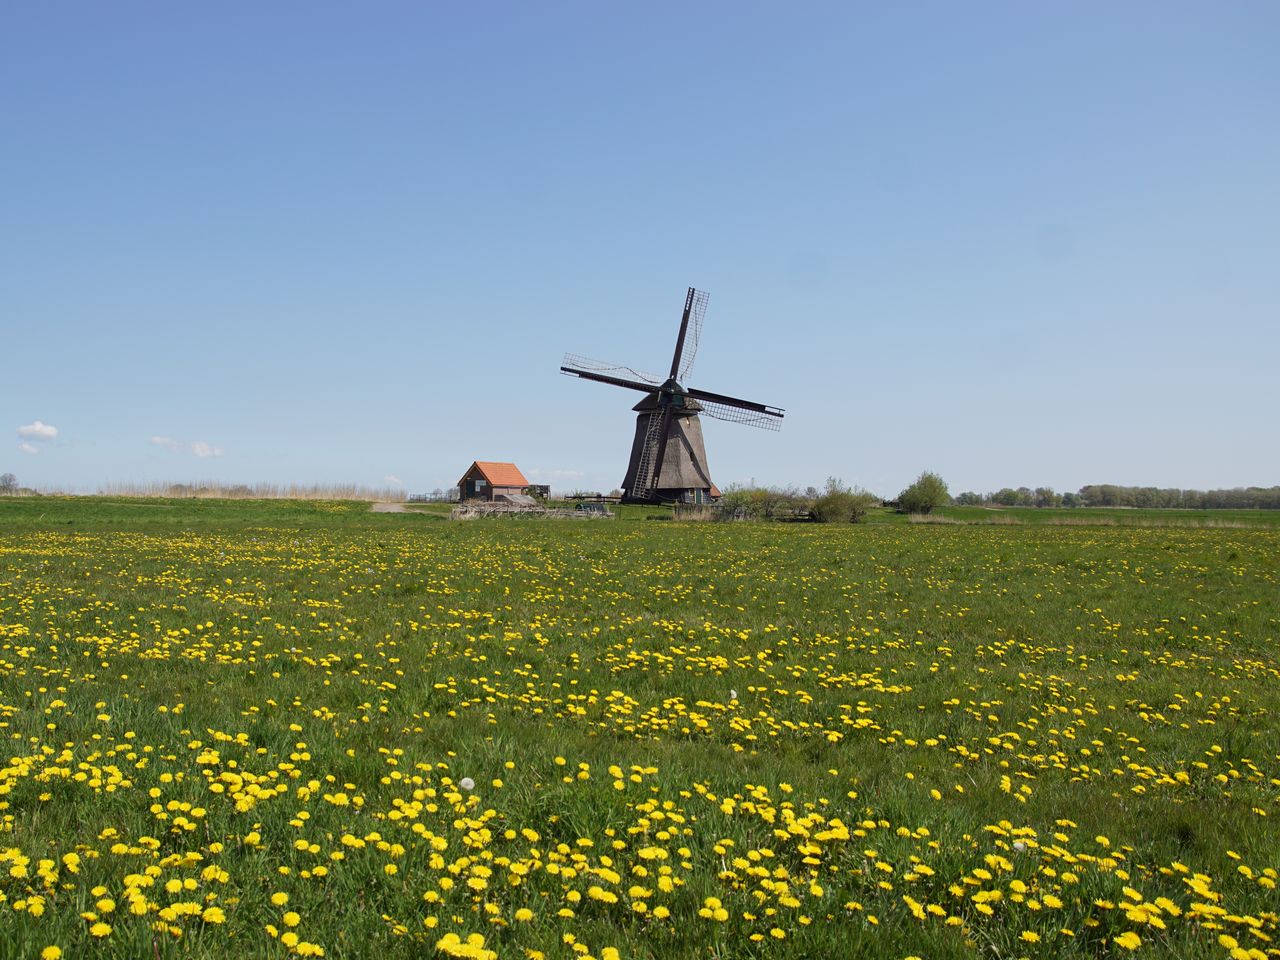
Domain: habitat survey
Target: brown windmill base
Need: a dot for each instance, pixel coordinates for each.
(685, 477)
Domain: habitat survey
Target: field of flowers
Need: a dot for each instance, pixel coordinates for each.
(305, 730)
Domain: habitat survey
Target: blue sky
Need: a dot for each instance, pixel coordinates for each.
(1013, 243)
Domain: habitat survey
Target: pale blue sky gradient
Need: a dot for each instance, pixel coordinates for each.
(1014, 243)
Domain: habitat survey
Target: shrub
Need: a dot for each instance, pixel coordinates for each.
(760, 503)
(840, 504)
(929, 491)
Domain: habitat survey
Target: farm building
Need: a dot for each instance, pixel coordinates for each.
(488, 480)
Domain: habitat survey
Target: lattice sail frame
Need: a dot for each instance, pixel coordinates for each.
(720, 411)
(600, 366)
(698, 300)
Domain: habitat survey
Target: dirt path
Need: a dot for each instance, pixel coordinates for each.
(388, 508)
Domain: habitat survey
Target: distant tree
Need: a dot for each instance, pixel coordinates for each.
(969, 499)
(1005, 497)
(8, 483)
(1112, 496)
(1071, 500)
(1046, 497)
(929, 491)
(840, 504)
(1237, 498)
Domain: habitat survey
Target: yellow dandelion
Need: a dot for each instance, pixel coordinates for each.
(1128, 940)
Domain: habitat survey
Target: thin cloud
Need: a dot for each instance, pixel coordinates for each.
(539, 473)
(392, 479)
(38, 431)
(28, 448)
(202, 449)
(199, 448)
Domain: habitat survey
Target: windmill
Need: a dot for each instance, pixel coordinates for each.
(668, 458)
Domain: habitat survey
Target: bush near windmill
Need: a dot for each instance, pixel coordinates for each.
(842, 504)
(929, 491)
(741, 502)
(835, 503)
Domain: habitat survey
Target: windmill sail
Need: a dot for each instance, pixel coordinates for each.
(573, 361)
(697, 310)
(752, 418)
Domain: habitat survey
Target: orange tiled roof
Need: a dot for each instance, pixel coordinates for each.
(502, 474)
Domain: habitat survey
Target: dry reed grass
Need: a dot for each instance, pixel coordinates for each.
(1148, 521)
(694, 513)
(213, 490)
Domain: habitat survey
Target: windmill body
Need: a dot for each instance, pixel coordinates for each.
(685, 476)
(668, 457)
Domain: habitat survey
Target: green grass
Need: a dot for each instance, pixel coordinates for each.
(1052, 684)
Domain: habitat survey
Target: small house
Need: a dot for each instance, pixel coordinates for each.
(487, 480)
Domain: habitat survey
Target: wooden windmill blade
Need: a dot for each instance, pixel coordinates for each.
(763, 420)
(695, 308)
(733, 410)
(614, 381)
(579, 365)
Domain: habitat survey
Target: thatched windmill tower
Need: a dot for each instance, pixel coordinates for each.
(668, 458)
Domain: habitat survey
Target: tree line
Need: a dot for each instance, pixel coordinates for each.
(1114, 495)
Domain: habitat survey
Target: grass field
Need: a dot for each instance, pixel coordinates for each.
(265, 729)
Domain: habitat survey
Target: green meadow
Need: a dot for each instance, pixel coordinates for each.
(279, 728)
